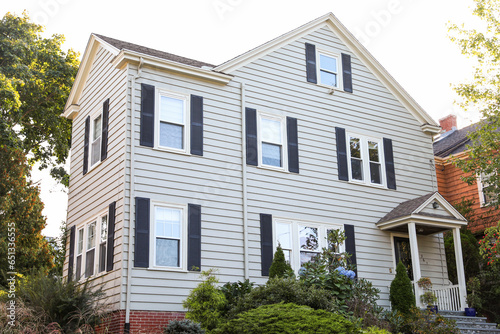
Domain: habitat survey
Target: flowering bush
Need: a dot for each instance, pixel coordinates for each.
(488, 246)
(345, 272)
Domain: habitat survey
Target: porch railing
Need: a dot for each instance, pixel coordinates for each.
(448, 298)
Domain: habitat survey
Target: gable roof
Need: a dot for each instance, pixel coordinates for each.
(454, 142)
(121, 45)
(406, 208)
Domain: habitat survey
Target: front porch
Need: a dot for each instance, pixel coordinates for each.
(429, 215)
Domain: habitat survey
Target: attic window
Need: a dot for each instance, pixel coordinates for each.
(328, 70)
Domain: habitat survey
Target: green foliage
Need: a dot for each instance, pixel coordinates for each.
(474, 289)
(490, 244)
(21, 219)
(35, 80)
(206, 303)
(286, 290)
(58, 250)
(363, 305)
(470, 251)
(401, 291)
(425, 322)
(490, 292)
(280, 267)
(287, 318)
(56, 302)
(183, 327)
(234, 291)
(375, 330)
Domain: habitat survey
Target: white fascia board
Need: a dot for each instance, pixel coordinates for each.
(72, 111)
(443, 202)
(127, 56)
(422, 220)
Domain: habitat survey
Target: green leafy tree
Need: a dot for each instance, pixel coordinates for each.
(280, 267)
(401, 291)
(482, 93)
(35, 80)
(21, 220)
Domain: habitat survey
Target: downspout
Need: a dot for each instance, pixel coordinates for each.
(244, 181)
(131, 197)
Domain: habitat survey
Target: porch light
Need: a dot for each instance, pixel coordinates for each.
(435, 205)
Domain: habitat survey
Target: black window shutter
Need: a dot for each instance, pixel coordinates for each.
(251, 136)
(311, 63)
(105, 127)
(266, 242)
(111, 236)
(71, 257)
(389, 164)
(350, 245)
(196, 125)
(346, 72)
(89, 262)
(141, 250)
(342, 154)
(293, 144)
(147, 115)
(194, 237)
(86, 146)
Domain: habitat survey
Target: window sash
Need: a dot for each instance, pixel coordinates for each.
(272, 141)
(92, 241)
(172, 126)
(328, 67)
(168, 235)
(366, 160)
(95, 154)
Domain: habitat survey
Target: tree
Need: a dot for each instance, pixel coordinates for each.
(401, 291)
(482, 93)
(21, 220)
(280, 267)
(35, 80)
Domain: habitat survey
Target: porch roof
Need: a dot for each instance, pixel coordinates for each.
(431, 213)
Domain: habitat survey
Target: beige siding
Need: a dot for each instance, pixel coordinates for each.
(92, 193)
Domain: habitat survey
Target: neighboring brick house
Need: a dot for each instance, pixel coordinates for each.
(452, 144)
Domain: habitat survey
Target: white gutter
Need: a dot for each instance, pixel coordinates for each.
(244, 181)
(131, 192)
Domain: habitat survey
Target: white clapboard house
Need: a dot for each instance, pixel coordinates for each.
(179, 166)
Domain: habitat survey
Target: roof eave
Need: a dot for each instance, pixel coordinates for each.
(421, 219)
(131, 57)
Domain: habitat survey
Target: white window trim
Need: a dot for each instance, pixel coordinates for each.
(184, 237)
(93, 116)
(479, 181)
(284, 144)
(294, 223)
(97, 244)
(338, 56)
(187, 121)
(366, 159)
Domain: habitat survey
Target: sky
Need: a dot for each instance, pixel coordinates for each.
(408, 37)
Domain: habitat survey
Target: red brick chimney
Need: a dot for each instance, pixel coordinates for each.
(448, 123)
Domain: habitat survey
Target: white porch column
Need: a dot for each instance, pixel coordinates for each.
(457, 241)
(415, 260)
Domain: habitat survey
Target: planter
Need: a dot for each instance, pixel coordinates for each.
(432, 308)
(470, 312)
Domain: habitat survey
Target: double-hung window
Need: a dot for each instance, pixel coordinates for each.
(79, 253)
(328, 69)
(169, 231)
(102, 242)
(486, 196)
(301, 241)
(365, 159)
(95, 154)
(173, 118)
(272, 141)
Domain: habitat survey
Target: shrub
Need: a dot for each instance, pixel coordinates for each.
(401, 291)
(183, 327)
(363, 305)
(287, 318)
(234, 291)
(425, 322)
(375, 330)
(280, 267)
(286, 290)
(206, 303)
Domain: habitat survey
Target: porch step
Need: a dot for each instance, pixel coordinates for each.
(470, 325)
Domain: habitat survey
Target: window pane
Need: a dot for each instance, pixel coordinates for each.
(270, 131)
(355, 147)
(375, 173)
(287, 255)
(328, 78)
(97, 128)
(373, 151)
(80, 241)
(96, 151)
(356, 169)
(171, 135)
(104, 228)
(308, 238)
(328, 63)
(306, 257)
(167, 252)
(271, 154)
(171, 110)
(168, 222)
(91, 235)
(283, 235)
